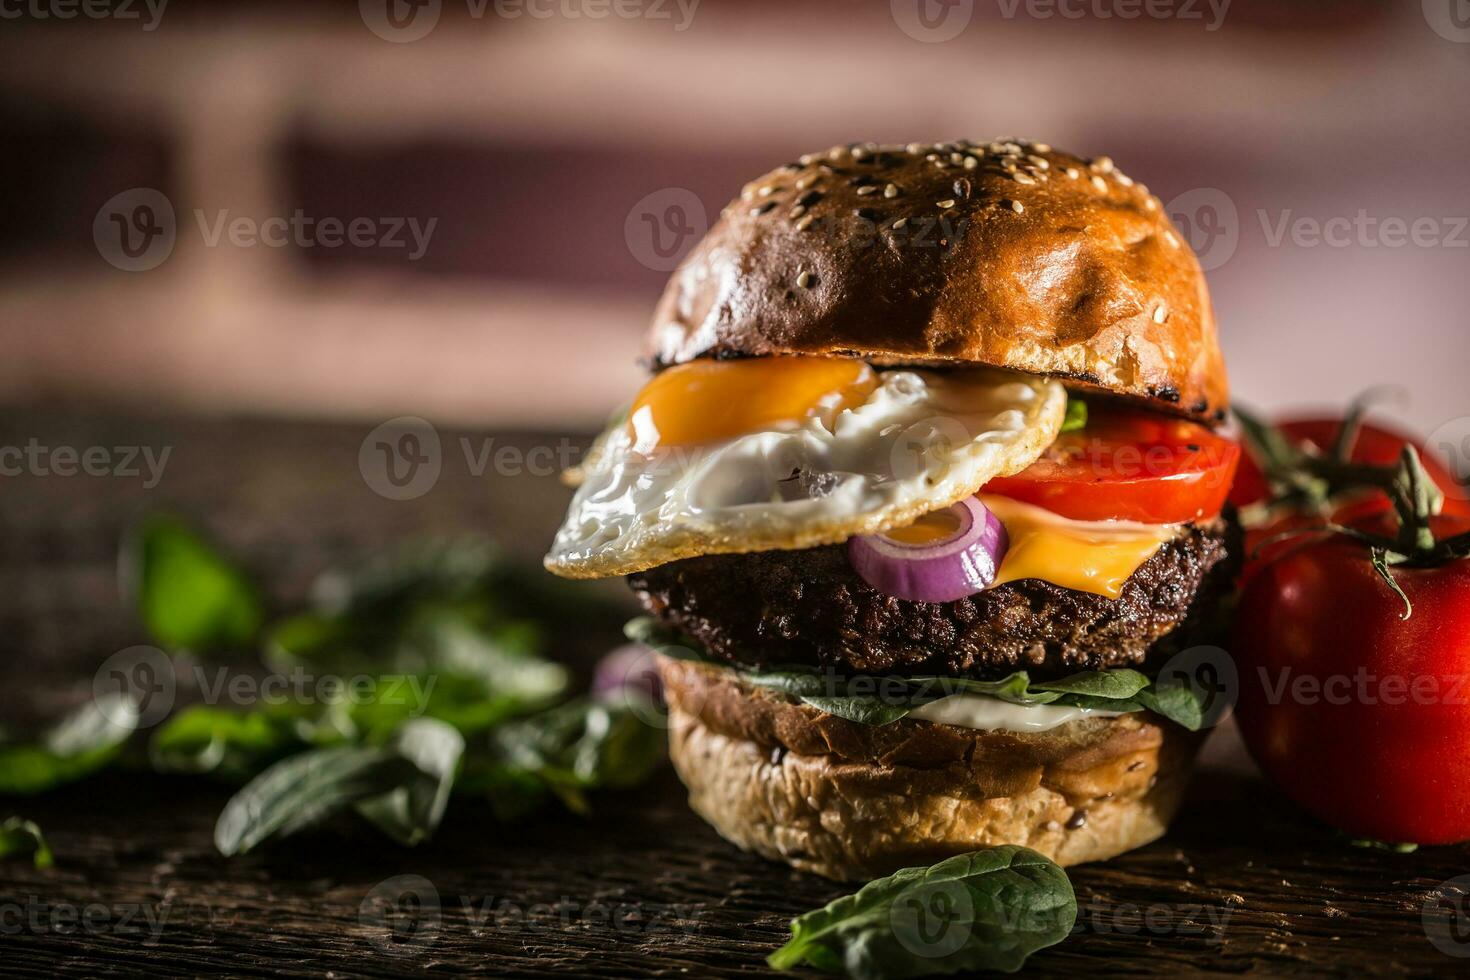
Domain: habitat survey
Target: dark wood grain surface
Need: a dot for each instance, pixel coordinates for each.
(1243, 883)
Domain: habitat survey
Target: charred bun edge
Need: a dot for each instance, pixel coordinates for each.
(1035, 260)
(855, 802)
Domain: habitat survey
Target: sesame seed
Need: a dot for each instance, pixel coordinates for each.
(971, 163)
(798, 211)
(806, 159)
(1123, 179)
(762, 209)
(931, 157)
(836, 153)
(1023, 178)
(805, 222)
(890, 190)
(1150, 203)
(915, 148)
(957, 159)
(1161, 313)
(766, 191)
(802, 183)
(1039, 162)
(1017, 207)
(1102, 165)
(1073, 173)
(1100, 184)
(1041, 147)
(867, 189)
(859, 153)
(946, 204)
(900, 223)
(1173, 241)
(804, 279)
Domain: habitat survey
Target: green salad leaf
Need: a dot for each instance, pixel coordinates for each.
(564, 751)
(80, 744)
(22, 838)
(411, 812)
(188, 594)
(988, 910)
(1076, 415)
(884, 700)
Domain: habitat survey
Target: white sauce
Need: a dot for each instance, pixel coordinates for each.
(993, 714)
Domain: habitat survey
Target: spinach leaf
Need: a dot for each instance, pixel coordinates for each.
(410, 813)
(19, 837)
(1120, 683)
(83, 742)
(564, 751)
(863, 709)
(441, 639)
(987, 910)
(1076, 415)
(230, 744)
(189, 596)
(306, 789)
(1179, 702)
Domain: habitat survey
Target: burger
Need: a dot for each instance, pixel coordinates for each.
(923, 499)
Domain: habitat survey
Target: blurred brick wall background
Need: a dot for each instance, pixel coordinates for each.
(539, 145)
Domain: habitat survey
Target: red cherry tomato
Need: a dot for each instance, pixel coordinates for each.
(1360, 716)
(1374, 444)
(1130, 465)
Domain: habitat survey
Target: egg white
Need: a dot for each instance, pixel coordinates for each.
(921, 441)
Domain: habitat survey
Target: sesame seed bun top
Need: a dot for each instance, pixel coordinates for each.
(1010, 254)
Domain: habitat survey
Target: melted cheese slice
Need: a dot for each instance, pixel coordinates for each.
(1088, 556)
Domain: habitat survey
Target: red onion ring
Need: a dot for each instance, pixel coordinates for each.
(942, 571)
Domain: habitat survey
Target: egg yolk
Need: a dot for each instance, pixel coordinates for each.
(932, 528)
(709, 401)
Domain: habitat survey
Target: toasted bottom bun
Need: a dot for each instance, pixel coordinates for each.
(853, 802)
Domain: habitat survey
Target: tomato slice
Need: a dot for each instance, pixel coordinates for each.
(1128, 464)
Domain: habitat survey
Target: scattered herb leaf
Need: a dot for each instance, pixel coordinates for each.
(988, 910)
(22, 838)
(189, 595)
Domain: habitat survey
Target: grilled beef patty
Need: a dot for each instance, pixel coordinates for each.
(811, 607)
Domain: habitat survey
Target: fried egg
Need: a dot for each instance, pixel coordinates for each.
(779, 453)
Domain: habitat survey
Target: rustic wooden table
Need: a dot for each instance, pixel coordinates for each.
(1243, 883)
